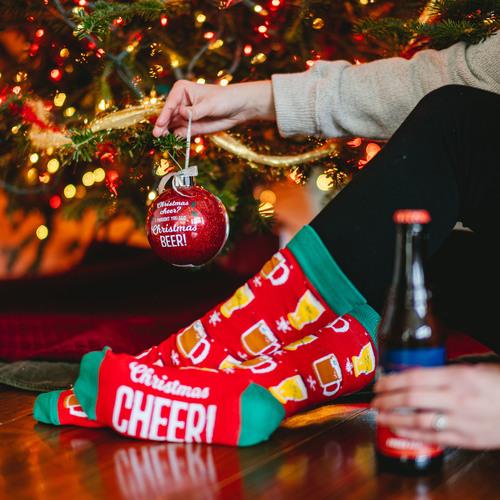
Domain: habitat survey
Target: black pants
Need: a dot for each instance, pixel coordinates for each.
(445, 158)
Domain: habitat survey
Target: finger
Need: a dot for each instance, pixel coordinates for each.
(417, 377)
(172, 103)
(416, 399)
(412, 421)
(205, 127)
(442, 438)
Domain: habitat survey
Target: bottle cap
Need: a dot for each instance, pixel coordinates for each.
(408, 216)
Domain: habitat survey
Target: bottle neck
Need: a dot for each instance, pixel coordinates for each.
(409, 278)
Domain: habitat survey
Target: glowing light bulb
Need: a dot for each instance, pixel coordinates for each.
(56, 74)
(99, 174)
(34, 157)
(201, 81)
(42, 232)
(151, 195)
(88, 179)
(69, 112)
(323, 182)
(69, 191)
(201, 18)
(53, 165)
(268, 196)
(59, 99)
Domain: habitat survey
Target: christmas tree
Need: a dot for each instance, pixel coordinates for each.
(81, 83)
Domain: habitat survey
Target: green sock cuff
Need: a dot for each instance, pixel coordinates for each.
(45, 408)
(261, 414)
(87, 384)
(329, 280)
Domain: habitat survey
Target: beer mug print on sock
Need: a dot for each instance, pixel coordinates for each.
(240, 299)
(299, 343)
(259, 364)
(193, 344)
(276, 270)
(290, 389)
(328, 373)
(364, 362)
(259, 339)
(229, 362)
(73, 406)
(308, 310)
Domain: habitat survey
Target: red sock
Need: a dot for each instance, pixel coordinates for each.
(169, 404)
(275, 307)
(61, 408)
(339, 359)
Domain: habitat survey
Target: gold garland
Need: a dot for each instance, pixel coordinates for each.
(133, 115)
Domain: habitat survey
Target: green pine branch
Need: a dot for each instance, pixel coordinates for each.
(100, 20)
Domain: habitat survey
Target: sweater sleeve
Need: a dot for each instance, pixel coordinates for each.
(371, 100)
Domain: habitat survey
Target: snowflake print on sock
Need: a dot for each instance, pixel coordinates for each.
(257, 281)
(175, 358)
(348, 366)
(311, 383)
(283, 325)
(214, 318)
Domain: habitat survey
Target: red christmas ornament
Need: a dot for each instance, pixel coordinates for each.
(187, 226)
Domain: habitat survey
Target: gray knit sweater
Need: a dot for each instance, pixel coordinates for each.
(337, 98)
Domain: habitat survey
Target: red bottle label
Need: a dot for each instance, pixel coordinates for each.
(392, 445)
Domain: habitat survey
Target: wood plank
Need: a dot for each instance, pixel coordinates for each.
(328, 453)
(15, 404)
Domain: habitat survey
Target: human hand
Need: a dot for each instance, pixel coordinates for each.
(214, 107)
(468, 396)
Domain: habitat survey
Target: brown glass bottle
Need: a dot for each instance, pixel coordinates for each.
(409, 336)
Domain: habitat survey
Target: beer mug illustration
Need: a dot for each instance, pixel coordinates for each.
(259, 339)
(339, 325)
(290, 389)
(364, 362)
(229, 362)
(308, 310)
(193, 344)
(328, 373)
(240, 299)
(259, 364)
(298, 343)
(276, 270)
(73, 406)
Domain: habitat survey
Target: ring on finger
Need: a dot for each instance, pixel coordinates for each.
(440, 422)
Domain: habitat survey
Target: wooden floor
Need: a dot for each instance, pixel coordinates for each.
(327, 453)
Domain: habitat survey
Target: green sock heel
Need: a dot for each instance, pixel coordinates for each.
(261, 414)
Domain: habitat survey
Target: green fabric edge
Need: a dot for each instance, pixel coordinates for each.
(261, 414)
(87, 384)
(45, 408)
(329, 280)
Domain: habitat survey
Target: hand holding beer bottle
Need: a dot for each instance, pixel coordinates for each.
(409, 337)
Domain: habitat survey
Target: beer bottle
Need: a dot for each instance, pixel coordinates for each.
(409, 337)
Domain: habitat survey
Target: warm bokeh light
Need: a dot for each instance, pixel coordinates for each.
(323, 182)
(59, 99)
(268, 196)
(42, 232)
(69, 191)
(88, 179)
(53, 165)
(99, 174)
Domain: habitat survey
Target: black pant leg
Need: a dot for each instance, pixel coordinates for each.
(443, 158)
